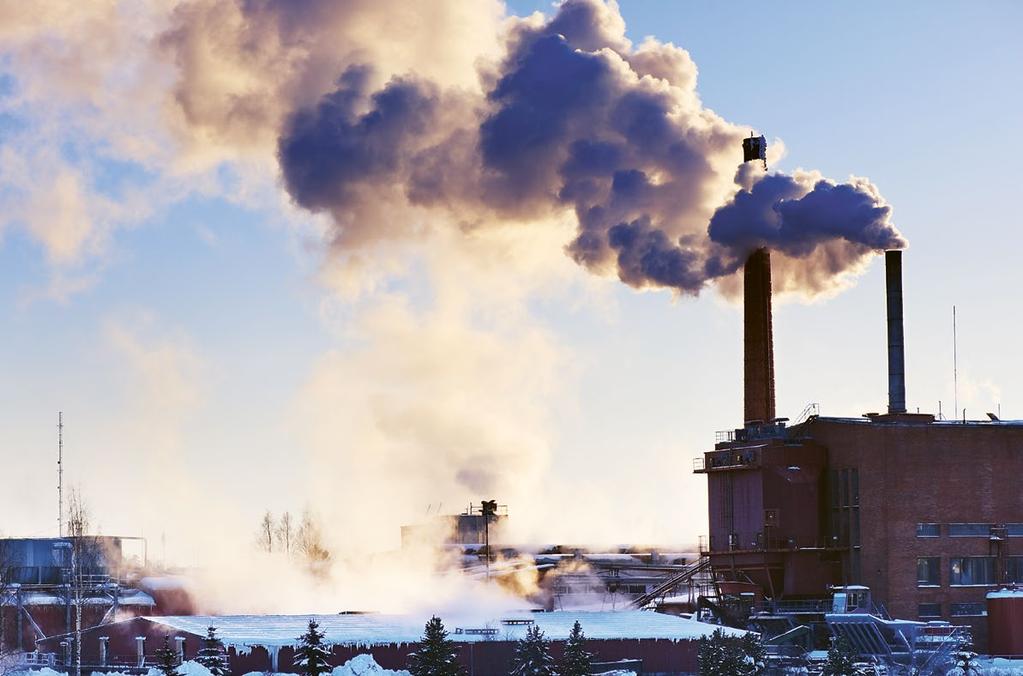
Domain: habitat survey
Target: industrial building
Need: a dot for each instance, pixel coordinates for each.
(41, 585)
(925, 512)
(644, 641)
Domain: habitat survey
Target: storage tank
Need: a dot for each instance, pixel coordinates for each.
(1005, 622)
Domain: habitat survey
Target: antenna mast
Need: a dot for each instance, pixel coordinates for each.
(955, 366)
(60, 474)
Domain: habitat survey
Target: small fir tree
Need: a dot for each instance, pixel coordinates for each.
(167, 659)
(965, 663)
(752, 654)
(436, 654)
(533, 655)
(577, 661)
(723, 655)
(212, 655)
(841, 657)
(312, 656)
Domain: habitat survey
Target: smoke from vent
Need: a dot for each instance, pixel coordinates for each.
(572, 117)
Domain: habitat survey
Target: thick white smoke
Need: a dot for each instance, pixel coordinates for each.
(441, 143)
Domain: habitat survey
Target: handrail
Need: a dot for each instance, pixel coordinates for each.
(671, 583)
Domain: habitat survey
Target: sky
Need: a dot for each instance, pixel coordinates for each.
(218, 350)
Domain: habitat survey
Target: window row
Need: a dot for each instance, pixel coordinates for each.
(967, 530)
(932, 610)
(967, 570)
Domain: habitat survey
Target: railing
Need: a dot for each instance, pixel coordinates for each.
(37, 659)
(728, 459)
(724, 436)
(735, 543)
(800, 606)
(812, 410)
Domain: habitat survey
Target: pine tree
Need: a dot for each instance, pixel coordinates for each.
(436, 653)
(312, 657)
(167, 659)
(840, 658)
(723, 655)
(577, 661)
(212, 655)
(533, 655)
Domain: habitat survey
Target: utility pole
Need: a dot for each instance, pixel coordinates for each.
(489, 509)
(60, 474)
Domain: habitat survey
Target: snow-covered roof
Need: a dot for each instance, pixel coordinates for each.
(243, 631)
(164, 583)
(126, 597)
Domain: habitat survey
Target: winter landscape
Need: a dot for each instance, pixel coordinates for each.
(526, 337)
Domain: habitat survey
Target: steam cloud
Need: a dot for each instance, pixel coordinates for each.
(572, 117)
(397, 119)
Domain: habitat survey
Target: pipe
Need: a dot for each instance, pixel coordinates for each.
(896, 344)
(758, 341)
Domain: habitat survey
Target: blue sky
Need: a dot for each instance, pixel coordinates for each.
(184, 359)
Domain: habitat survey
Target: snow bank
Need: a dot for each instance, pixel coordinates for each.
(360, 665)
(191, 668)
(365, 664)
(997, 666)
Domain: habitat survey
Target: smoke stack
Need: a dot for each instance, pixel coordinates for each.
(758, 338)
(896, 348)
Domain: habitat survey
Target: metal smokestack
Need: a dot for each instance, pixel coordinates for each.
(758, 341)
(896, 347)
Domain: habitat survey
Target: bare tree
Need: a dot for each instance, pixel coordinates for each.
(81, 554)
(285, 532)
(265, 534)
(8, 562)
(310, 544)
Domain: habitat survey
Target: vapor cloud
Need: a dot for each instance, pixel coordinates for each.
(509, 152)
(572, 117)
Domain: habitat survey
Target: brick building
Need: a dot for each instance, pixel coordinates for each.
(926, 513)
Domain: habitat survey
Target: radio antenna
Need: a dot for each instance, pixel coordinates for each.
(60, 473)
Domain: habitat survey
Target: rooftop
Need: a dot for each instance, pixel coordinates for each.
(243, 631)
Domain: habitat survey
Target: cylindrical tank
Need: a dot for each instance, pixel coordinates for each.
(1005, 622)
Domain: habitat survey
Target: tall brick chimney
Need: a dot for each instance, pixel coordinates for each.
(758, 337)
(896, 349)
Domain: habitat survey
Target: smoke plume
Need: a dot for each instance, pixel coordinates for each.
(484, 143)
(572, 117)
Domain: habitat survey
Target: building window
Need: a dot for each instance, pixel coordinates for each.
(928, 571)
(1014, 569)
(967, 610)
(969, 530)
(928, 530)
(1015, 530)
(972, 570)
(928, 610)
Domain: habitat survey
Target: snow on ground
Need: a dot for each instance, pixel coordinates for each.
(360, 665)
(189, 668)
(997, 666)
(365, 664)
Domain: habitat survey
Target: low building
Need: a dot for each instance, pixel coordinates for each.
(40, 589)
(662, 643)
